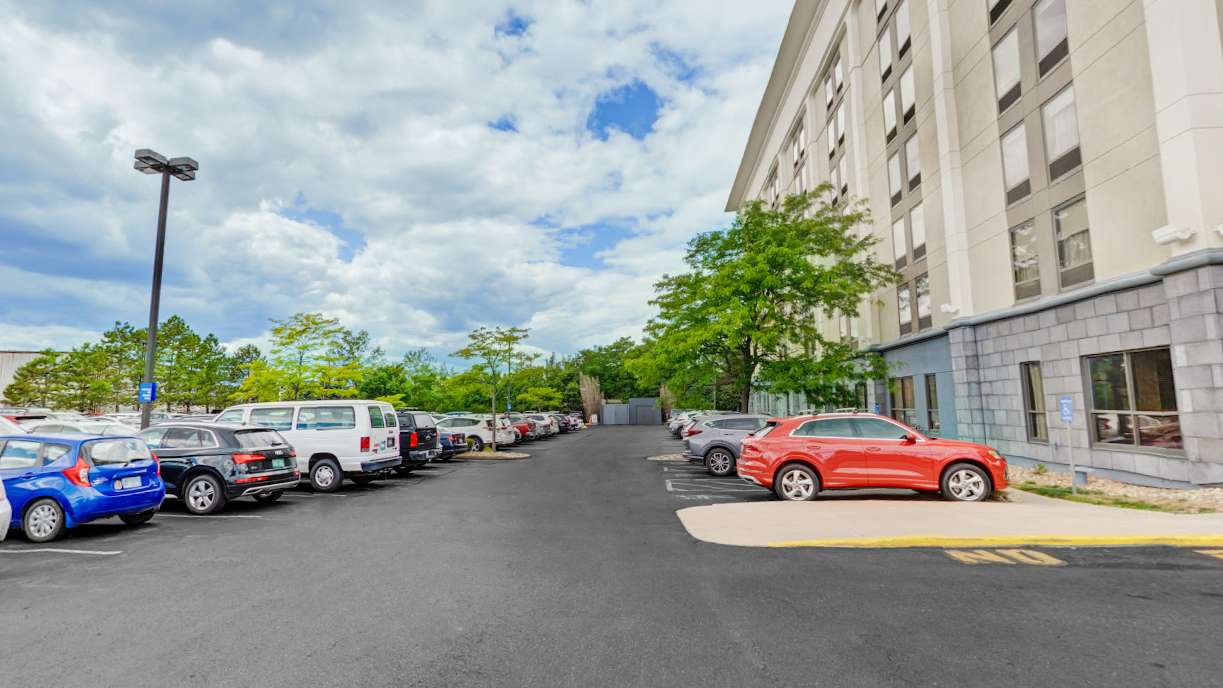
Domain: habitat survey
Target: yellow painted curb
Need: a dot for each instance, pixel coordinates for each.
(1012, 540)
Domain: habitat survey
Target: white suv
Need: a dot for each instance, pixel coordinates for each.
(333, 438)
(479, 429)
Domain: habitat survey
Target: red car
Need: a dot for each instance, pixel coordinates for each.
(798, 457)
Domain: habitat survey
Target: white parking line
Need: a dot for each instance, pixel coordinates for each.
(679, 485)
(313, 494)
(56, 550)
(207, 516)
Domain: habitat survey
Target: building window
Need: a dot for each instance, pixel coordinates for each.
(840, 119)
(913, 162)
(903, 407)
(1073, 243)
(800, 180)
(924, 315)
(830, 91)
(917, 229)
(1025, 261)
(832, 136)
(996, 9)
(1051, 43)
(1015, 164)
(908, 96)
(834, 180)
(903, 38)
(838, 72)
(933, 427)
(904, 306)
(1034, 401)
(881, 8)
(843, 168)
(900, 252)
(1133, 400)
(894, 181)
(798, 144)
(1006, 70)
(889, 115)
(885, 56)
(1061, 133)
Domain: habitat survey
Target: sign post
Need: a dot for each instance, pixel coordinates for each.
(1065, 409)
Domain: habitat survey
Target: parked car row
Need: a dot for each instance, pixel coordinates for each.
(800, 456)
(60, 470)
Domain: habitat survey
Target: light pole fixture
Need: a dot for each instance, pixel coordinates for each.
(152, 162)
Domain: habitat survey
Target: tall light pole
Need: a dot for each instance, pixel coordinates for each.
(151, 162)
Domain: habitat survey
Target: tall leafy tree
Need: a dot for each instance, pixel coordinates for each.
(741, 316)
(36, 383)
(301, 363)
(495, 352)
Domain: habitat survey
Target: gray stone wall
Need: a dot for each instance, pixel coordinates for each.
(1181, 312)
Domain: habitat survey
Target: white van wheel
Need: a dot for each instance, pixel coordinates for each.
(325, 476)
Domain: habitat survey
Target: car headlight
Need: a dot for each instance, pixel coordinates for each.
(993, 454)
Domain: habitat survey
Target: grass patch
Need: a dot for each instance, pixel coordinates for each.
(1086, 496)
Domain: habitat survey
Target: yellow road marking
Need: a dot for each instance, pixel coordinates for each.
(1216, 553)
(1030, 557)
(1012, 541)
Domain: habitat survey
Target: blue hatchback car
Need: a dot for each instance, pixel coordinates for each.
(58, 481)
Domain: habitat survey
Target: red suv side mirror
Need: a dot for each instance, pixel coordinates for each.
(909, 438)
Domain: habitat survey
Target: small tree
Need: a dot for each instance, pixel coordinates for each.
(495, 351)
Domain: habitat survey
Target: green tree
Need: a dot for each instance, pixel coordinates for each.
(540, 398)
(496, 351)
(35, 383)
(302, 364)
(741, 316)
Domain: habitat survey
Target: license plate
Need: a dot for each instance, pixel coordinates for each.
(278, 463)
(129, 482)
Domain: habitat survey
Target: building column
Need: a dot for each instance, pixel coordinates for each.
(1195, 330)
(955, 229)
(966, 372)
(1186, 53)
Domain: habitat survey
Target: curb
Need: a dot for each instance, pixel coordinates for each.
(1011, 541)
(499, 456)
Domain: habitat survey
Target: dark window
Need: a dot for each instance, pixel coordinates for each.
(1025, 261)
(1073, 244)
(186, 438)
(829, 427)
(873, 428)
(116, 452)
(423, 420)
(327, 418)
(20, 454)
(1034, 401)
(904, 408)
(933, 426)
(1006, 70)
(274, 418)
(251, 439)
(375, 417)
(1133, 400)
(234, 416)
(996, 9)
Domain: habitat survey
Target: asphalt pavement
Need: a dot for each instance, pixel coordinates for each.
(571, 569)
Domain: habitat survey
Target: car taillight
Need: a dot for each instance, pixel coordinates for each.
(488, 425)
(248, 458)
(693, 431)
(413, 440)
(79, 473)
(364, 444)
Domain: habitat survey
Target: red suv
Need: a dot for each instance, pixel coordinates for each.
(798, 457)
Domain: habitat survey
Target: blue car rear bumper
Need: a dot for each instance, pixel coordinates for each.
(90, 507)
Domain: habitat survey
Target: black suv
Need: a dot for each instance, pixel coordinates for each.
(418, 443)
(205, 465)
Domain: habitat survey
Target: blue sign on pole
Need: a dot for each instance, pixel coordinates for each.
(1065, 408)
(876, 408)
(509, 406)
(147, 393)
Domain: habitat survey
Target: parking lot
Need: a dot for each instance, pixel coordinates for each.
(571, 568)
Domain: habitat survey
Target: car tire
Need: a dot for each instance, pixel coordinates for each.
(43, 521)
(964, 482)
(796, 483)
(475, 444)
(720, 462)
(403, 470)
(325, 476)
(203, 495)
(269, 497)
(138, 518)
(361, 479)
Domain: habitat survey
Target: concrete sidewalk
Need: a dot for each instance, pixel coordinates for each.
(904, 520)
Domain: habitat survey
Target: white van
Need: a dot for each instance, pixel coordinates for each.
(332, 437)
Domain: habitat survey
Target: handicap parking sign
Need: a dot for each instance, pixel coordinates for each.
(1065, 408)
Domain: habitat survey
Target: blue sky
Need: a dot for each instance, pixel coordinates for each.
(413, 169)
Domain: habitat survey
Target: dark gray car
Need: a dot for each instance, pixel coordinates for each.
(716, 444)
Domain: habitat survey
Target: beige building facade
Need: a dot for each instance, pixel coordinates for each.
(1047, 177)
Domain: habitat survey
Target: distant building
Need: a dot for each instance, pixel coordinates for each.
(10, 361)
(1046, 177)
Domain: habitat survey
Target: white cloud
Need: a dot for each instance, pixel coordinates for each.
(377, 116)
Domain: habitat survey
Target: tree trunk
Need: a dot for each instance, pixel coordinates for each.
(494, 398)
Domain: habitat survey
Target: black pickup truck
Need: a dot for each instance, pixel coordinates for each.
(418, 443)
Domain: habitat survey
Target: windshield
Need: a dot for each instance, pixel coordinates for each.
(251, 439)
(424, 420)
(116, 452)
